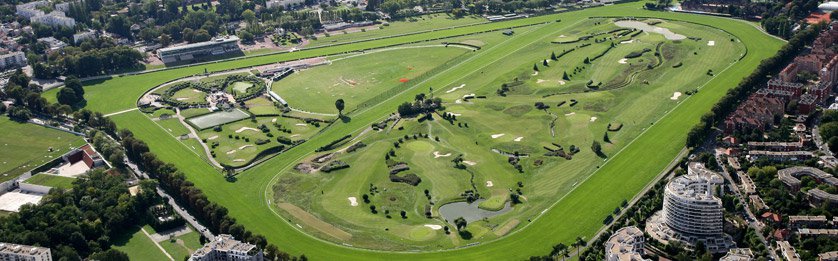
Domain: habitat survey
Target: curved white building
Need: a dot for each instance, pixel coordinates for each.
(690, 205)
(691, 211)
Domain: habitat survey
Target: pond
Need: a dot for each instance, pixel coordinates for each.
(650, 28)
(470, 212)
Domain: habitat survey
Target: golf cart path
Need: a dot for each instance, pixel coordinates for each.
(194, 135)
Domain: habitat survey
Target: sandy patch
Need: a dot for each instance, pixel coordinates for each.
(455, 88)
(675, 96)
(353, 201)
(238, 160)
(534, 73)
(569, 114)
(561, 82)
(295, 135)
(231, 152)
(301, 124)
(245, 146)
(470, 163)
(434, 227)
(711, 43)
(182, 99)
(627, 42)
(623, 61)
(519, 139)
(194, 90)
(541, 80)
(455, 114)
(240, 130)
(213, 137)
(489, 184)
(495, 136)
(458, 101)
(438, 155)
(273, 120)
(593, 119)
(562, 36)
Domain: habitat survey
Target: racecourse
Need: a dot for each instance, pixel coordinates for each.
(579, 213)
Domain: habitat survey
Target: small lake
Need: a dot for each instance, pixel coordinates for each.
(470, 212)
(650, 28)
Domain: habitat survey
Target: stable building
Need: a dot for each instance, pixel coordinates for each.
(218, 46)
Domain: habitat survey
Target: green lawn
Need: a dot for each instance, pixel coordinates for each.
(358, 78)
(138, 246)
(412, 25)
(50, 180)
(182, 246)
(25, 146)
(578, 213)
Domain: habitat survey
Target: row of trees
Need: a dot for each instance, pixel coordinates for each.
(750, 84)
(174, 181)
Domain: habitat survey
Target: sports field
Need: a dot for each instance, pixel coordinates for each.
(26, 146)
(406, 26)
(564, 198)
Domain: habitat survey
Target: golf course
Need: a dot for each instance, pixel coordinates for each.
(484, 141)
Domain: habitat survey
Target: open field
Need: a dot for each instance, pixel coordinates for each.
(138, 246)
(50, 180)
(24, 146)
(579, 209)
(360, 77)
(181, 247)
(425, 22)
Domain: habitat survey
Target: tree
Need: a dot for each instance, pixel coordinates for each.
(565, 77)
(559, 249)
(74, 83)
(553, 56)
(579, 243)
(545, 63)
(535, 67)
(461, 223)
(165, 40)
(605, 138)
(110, 255)
(833, 16)
(201, 35)
(67, 96)
(587, 61)
(596, 147)
(340, 105)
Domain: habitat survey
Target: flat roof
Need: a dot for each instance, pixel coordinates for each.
(212, 42)
(12, 201)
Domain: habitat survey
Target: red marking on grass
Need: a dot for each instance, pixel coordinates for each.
(403, 80)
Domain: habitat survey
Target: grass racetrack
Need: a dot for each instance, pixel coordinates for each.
(578, 213)
(24, 146)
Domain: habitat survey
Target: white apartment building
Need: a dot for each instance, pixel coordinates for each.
(79, 37)
(29, 10)
(625, 245)
(691, 211)
(12, 60)
(15, 252)
(283, 3)
(225, 247)
(54, 19)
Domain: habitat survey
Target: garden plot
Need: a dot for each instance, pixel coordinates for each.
(218, 118)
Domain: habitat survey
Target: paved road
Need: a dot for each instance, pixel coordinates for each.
(752, 220)
(180, 210)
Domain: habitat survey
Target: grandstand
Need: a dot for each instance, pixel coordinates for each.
(217, 46)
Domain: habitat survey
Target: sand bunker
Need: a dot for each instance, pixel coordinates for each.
(182, 99)
(273, 120)
(455, 114)
(593, 119)
(569, 114)
(231, 152)
(495, 136)
(238, 160)
(534, 73)
(561, 82)
(562, 36)
(213, 137)
(489, 184)
(627, 42)
(711, 43)
(540, 81)
(434, 227)
(470, 163)
(623, 61)
(245, 146)
(194, 90)
(669, 35)
(295, 135)
(301, 124)
(438, 155)
(458, 101)
(240, 130)
(455, 88)
(676, 95)
(519, 139)
(353, 201)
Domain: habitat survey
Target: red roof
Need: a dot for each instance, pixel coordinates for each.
(817, 17)
(772, 216)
